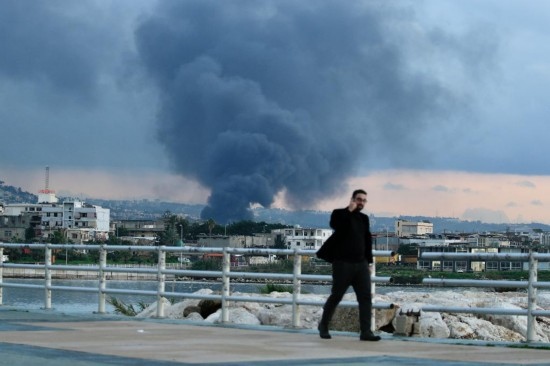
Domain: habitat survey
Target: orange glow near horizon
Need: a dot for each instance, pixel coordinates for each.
(468, 196)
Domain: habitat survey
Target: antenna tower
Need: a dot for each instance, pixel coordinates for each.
(47, 178)
(47, 182)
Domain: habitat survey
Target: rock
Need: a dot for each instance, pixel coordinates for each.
(433, 326)
(236, 316)
(151, 310)
(515, 323)
(468, 327)
(192, 309)
(208, 307)
(196, 317)
(345, 319)
(429, 324)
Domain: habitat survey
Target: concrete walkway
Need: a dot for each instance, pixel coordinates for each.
(51, 338)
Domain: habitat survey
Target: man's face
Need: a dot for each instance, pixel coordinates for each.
(360, 200)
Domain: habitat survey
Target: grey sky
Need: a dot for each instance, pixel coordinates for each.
(250, 98)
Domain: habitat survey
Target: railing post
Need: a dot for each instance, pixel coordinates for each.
(531, 297)
(47, 277)
(102, 279)
(296, 289)
(372, 294)
(226, 268)
(1, 273)
(162, 283)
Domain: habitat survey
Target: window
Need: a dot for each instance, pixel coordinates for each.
(424, 264)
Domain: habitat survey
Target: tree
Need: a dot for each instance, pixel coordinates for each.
(211, 225)
(408, 249)
(29, 233)
(58, 237)
(280, 242)
(174, 227)
(122, 231)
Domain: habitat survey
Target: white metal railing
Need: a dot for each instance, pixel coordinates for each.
(160, 271)
(531, 285)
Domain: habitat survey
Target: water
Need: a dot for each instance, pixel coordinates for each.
(87, 302)
(76, 302)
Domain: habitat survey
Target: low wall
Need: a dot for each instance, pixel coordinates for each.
(65, 274)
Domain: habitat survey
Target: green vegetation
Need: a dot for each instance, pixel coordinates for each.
(270, 287)
(125, 309)
(400, 274)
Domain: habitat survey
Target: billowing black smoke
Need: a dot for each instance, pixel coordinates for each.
(258, 97)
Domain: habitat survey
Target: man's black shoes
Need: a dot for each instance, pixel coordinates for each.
(323, 331)
(371, 337)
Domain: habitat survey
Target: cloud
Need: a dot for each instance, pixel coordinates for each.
(263, 97)
(394, 187)
(512, 204)
(526, 183)
(68, 80)
(537, 203)
(440, 188)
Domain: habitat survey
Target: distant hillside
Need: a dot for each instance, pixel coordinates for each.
(10, 194)
(154, 209)
(145, 209)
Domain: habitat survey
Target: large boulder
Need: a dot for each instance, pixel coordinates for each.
(515, 323)
(151, 310)
(208, 307)
(236, 316)
(468, 327)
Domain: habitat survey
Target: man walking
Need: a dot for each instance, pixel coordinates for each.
(349, 249)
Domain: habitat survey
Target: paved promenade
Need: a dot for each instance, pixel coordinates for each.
(51, 338)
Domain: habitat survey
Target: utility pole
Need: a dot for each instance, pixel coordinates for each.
(181, 243)
(387, 247)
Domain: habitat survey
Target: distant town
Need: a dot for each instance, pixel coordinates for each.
(68, 220)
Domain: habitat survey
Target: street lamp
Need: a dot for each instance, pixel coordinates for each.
(181, 232)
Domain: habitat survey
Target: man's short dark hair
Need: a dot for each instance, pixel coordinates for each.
(358, 191)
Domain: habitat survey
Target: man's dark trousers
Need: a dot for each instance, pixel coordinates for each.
(344, 275)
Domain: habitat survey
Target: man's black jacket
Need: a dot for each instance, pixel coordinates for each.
(341, 222)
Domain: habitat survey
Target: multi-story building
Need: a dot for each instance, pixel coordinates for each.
(404, 228)
(78, 220)
(235, 241)
(302, 238)
(16, 219)
(139, 228)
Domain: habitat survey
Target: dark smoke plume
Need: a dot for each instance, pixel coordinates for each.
(258, 97)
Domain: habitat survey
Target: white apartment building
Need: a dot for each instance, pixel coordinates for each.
(81, 220)
(18, 209)
(303, 238)
(404, 228)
